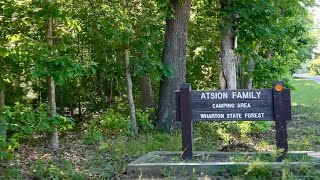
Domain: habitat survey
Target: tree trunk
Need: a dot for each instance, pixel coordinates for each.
(61, 112)
(53, 139)
(174, 55)
(222, 81)
(247, 77)
(146, 92)
(3, 131)
(227, 55)
(247, 83)
(79, 111)
(110, 94)
(133, 122)
(100, 89)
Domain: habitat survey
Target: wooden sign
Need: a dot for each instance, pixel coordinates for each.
(230, 105)
(233, 105)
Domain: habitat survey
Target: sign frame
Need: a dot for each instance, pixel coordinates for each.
(279, 98)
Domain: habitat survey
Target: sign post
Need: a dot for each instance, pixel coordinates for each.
(233, 105)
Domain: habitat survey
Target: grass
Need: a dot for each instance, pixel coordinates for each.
(303, 131)
(104, 156)
(305, 93)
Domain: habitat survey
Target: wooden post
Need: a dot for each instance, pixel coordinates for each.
(282, 113)
(178, 113)
(186, 123)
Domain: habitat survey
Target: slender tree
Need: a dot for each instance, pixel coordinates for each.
(53, 139)
(133, 122)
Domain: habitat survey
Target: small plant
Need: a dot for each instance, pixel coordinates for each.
(25, 122)
(145, 124)
(48, 170)
(167, 172)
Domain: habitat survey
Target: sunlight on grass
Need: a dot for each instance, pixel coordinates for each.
(302, 131)
(305, 92)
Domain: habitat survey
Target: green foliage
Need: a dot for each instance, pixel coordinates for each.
(49, 170)
(111, 123)
(145, 124)
(23, 122)
(203, 64)
(260, 127)
(227, 132)
(114, 123)
(314, 66)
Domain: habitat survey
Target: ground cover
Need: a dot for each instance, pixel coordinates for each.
(92, 156)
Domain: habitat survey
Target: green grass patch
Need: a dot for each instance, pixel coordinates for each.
(303, 131)
(305, 93)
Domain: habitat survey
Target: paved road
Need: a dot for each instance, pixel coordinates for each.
(307, 76)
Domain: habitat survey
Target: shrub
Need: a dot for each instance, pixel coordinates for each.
(111, 123)
(145, 124)
(49, 170)
(314, 66)
(24, 122)
(227, 132)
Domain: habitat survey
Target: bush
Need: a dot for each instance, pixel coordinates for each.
(49, 170)
(145, 124)
(24, 122)
(113, 123)
(314, 66)
(230, 132)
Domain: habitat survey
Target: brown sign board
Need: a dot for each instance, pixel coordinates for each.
(232, 105)
(272, 104)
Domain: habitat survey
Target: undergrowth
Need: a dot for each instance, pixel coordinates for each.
(104, 146)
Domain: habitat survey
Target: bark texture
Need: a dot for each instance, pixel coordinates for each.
(174, 55)
(133, 122)
(53, 139)
(100, 89)
(227, 55)
(228, 59)
(3, 131)
(247, 83)
(146, 92)
(247, 77)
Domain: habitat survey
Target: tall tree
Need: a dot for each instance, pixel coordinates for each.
(132, 109)
(53, 139)
(228, 78)
(174, 56)
(126, 43)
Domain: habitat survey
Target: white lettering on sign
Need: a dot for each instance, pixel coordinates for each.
(223, 105)
(231, 95)
(209, 116)
(214, 95)
(253, 115)
(244, 105)
(246, 95)
(234, 116)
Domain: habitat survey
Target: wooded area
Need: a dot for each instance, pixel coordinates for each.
(102, 68)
